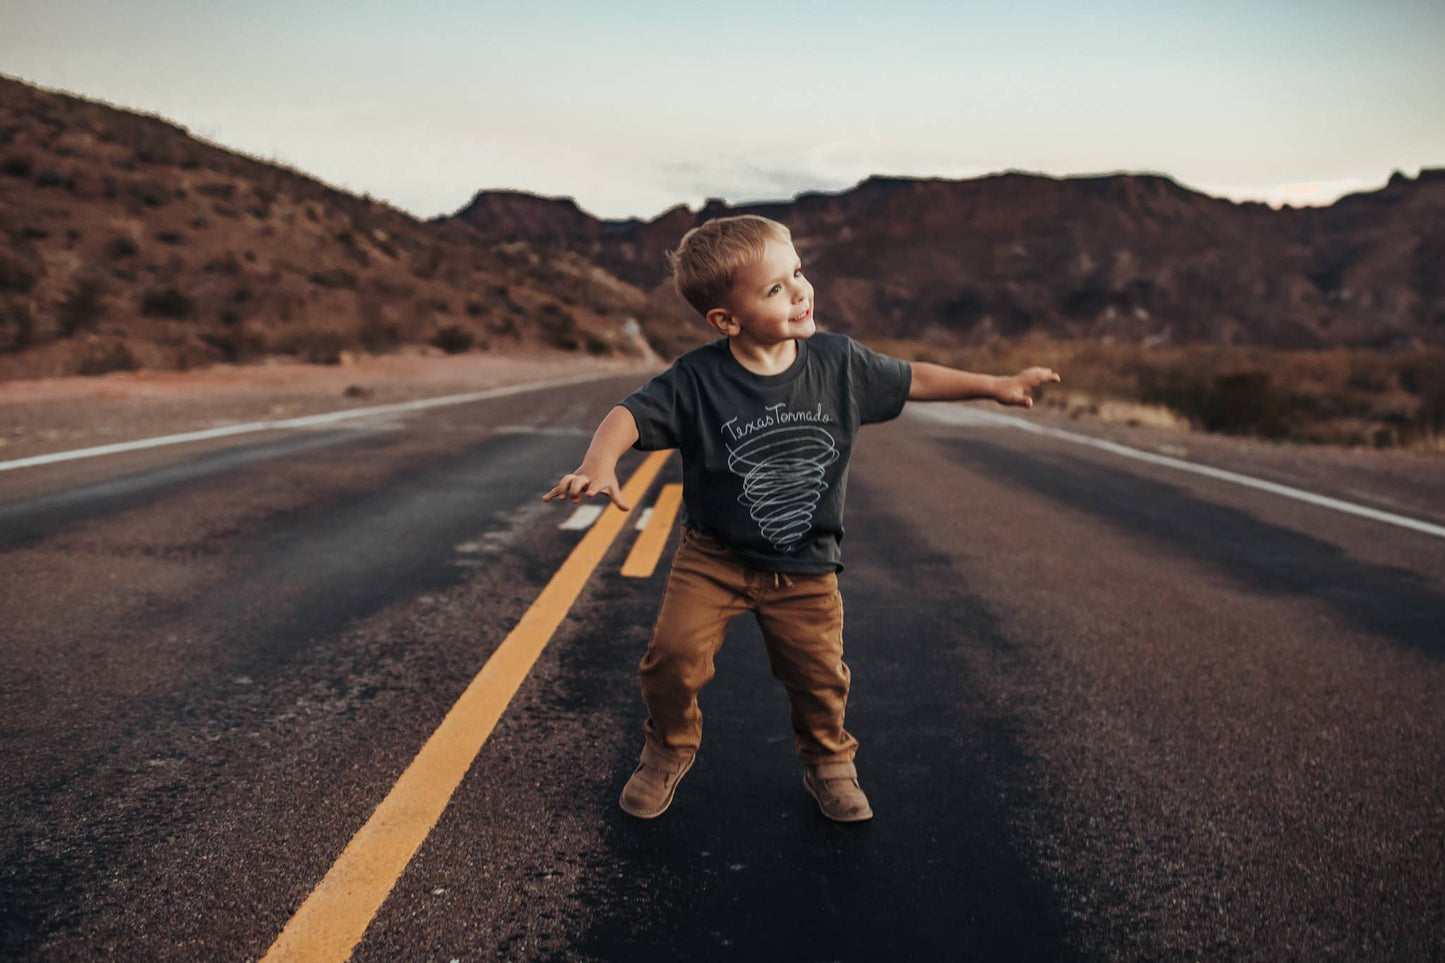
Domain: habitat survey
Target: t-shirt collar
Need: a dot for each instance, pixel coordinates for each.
(782, 377)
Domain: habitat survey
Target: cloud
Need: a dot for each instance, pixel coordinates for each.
(1321, 193)
(740, 182)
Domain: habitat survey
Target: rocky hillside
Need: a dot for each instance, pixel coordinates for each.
(1127, 258)
(126, 242)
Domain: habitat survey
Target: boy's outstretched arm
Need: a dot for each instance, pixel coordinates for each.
(934, 382)
(597, 475)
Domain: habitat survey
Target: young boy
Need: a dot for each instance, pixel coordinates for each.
(764, 419)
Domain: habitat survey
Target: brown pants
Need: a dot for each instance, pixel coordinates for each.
(802, 621)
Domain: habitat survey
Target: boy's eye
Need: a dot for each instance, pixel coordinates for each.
(777, 287)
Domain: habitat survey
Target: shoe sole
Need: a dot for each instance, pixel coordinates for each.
(864, 817)
(666, 802)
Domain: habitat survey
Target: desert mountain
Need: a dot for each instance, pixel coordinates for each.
(126, 242)
(1124, 257)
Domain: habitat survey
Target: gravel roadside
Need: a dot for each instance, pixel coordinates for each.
(58, 414)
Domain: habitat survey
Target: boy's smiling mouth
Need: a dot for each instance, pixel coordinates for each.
(805, 315)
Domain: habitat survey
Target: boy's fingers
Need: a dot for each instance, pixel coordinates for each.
(611, 492)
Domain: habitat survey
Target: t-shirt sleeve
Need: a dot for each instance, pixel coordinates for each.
(880, 383)
(662, 411)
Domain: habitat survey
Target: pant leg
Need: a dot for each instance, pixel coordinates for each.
(705, 589)
(802, 624)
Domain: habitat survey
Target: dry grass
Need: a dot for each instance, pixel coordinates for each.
(1376, 398)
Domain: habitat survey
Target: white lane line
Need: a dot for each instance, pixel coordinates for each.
(582, 518)
(642, 518)
(959, 415)
(305, 421)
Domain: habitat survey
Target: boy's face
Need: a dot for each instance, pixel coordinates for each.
(771, 301)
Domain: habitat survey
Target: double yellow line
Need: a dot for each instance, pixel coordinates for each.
(336, 914)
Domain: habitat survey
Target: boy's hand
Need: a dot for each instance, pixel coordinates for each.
(1015, 390)
(582, 482)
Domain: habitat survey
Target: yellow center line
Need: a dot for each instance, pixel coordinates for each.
(642, 560)
(336, 914)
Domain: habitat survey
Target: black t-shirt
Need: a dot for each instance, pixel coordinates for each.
(765, 457)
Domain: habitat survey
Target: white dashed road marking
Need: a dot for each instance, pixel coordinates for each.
(642, 518)
(582, 518)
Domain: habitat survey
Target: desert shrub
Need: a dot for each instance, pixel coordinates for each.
(17, 165)
(15, 274)
(154, 149)
(354, 250)
(453, 339)
(123, 247)
(1241, 402)
(431, 263)
(49, 178)
(1423, 375)
(223, 191)
(199, 223)
(315, 346)
(377, 332)
(34, 232)
(333, 278)
(475, 309)
(167, 303)
(227, 264)
(151, 195)
(597, 345)
(506, 326)
(105, 357)
(557, 327)
(17, 326)
(82, 307)
(236, 345)
(170, 237)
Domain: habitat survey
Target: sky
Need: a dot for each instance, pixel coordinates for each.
(632, 108)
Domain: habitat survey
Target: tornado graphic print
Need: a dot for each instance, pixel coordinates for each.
(781, 459)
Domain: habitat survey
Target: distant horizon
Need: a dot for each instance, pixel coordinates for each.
(637, 107)
(697, 206)
(1330, 192)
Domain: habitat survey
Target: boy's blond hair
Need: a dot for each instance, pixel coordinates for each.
(710, 255)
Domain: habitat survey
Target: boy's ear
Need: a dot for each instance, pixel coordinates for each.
(722, 322)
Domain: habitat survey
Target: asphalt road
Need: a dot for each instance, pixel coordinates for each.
(1107, 710)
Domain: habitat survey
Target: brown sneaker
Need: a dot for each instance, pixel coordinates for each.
(649, 792)
(835, 786)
